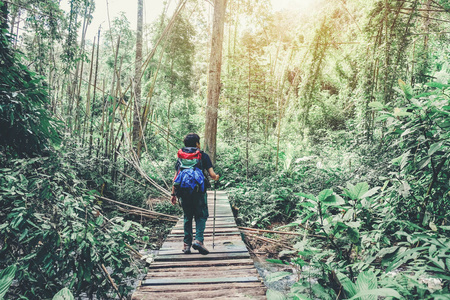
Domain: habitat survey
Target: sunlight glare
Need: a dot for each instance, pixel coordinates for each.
(301, 5)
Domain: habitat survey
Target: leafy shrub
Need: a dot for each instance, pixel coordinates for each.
(55, 234)
(26, 127)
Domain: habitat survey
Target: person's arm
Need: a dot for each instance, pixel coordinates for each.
(173, 199)
(213, 175)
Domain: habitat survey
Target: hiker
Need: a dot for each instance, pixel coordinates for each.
(190, 184)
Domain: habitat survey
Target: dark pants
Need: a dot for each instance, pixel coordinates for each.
(194, 206)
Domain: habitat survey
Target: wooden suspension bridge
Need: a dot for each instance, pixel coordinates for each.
(227, 272)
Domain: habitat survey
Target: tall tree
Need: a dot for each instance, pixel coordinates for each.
(137, 73)
(215, 66)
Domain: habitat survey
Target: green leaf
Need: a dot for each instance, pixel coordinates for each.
(6, 278)
(347, 284)
(367, 281)
(64, 294)
(376, 105)
(308, 196)
(384, 292)
(435, 147)
(353, 235)
(406, 88)
(277, 276)
(334, 200)
(356, 192)
(323, 195)
(437, 85)
(339, 228)
(300, 297)
(424, 162)
(370, 192)
(274, 295)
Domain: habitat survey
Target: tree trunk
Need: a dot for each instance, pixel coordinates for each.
(215, 65)
(91, 131)
(247, 139)
(137, 74)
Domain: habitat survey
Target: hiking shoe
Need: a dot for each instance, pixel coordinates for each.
(186, 249)
(200, 247)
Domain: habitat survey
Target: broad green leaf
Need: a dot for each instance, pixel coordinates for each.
(277, 276)
(370, 192)
(64, 294)
(300, 297)
(433, 226)
(99, 220)
(6, 278)
(353, 235)
(357, 191)
(437, 85)
(367, 281)
(435, 147)
(347, 284)
(321, 293)
(339, 228)
(308, 196)
(333, 200)
(424, 162)
(384, 292)
(274, 295)
(432, 250)
(376, 104)
(403, 257)
(324, 194)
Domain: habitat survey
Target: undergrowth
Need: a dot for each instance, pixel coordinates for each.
(373, 214)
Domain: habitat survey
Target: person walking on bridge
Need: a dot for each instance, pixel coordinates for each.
(190, 184)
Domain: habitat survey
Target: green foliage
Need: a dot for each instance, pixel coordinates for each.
(27, 129)
(53, 230)
(64, 294)
(6, 278)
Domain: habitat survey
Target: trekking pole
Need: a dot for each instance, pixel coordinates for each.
(214, 219)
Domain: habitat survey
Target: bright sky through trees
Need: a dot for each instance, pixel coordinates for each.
(153, 8)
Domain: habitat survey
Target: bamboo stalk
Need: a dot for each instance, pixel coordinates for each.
(139, 208)
(269, 231)
(146, 215)
(131, 178)
(88, 93)
(252, 230)
(111, 280)
(91, 131)
(271, 241)
(133, 250)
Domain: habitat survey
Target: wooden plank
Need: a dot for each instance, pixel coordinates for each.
(209, 234)
(191, 269)
(216, 249)
(202, 263)
(208, 230)
(201, 287)
(178, 281)
(193, 273)
(195, 256)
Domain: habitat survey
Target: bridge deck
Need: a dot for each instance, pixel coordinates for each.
(227, 272)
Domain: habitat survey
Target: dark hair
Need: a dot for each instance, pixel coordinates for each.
(191, 140)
